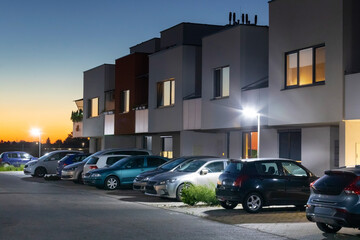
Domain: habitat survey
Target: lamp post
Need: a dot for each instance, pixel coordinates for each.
(37, 132)
(248, 112)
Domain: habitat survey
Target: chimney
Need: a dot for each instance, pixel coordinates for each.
(255, 19)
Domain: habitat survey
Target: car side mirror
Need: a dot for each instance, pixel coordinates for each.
(204, 172)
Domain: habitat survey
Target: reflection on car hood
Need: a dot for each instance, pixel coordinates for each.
(74, 165)
(32, 161)
(151, 173)
(169, 175)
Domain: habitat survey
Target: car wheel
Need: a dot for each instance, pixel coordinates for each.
(228, 204)
(253, 202)
(40, 172)
(111, 183)
(327, 228)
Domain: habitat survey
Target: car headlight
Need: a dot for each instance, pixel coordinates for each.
(167, 181)
(95, 175)
(145, 179)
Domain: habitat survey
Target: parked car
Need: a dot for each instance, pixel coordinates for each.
(141, 180)
(122, 172)
(15, 158)
(255, 183)
(70, 159)
(335, 200)
(74, 171)
(198, 172)
(97, 162)
(46, 164)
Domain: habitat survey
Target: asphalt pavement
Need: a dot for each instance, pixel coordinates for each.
(33, 208)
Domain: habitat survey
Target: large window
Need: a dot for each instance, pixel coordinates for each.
(166, 146)
(124, 101)
(109, 101)
(305, 67)
(250, 140)
(166, 93)
(222, 82)
(93, 107)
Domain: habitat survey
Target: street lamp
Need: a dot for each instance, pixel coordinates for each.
(251, 113)
(37, 132)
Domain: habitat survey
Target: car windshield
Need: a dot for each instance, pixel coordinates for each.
(44, 157)
(191, 166)
(171, 164)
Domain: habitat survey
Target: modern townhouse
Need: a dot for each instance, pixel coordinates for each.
(313, 56)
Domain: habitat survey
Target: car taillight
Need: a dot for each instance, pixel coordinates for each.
(64, 164)
(240, 180)
(0, 159)
(93, 167)
(354, 187)
(312, 184)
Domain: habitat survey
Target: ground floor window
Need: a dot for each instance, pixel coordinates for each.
(250, 142)
(166, 146)
(290, 144)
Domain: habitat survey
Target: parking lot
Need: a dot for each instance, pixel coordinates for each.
(284, 221)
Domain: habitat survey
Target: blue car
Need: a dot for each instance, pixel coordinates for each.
(70, 159)
(15, 158)
(122, 172)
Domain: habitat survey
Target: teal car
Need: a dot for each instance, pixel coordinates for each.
(122, 172)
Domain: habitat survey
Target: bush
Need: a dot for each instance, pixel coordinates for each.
(11, 168)
(193, 194)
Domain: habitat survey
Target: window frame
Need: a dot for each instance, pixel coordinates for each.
(124, 108)
(110, 101)
(161, 93)
(251, 147)
(219, 85)
(90, 107)
(314, 83)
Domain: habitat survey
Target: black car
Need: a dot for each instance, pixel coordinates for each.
(335, 200)
(262, 182)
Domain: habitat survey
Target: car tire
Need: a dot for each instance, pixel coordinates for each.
(327, 228)
(228, 204)
(40, 172)
(253, 202)
(112, 183)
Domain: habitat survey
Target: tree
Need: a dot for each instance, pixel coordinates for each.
(48, 142)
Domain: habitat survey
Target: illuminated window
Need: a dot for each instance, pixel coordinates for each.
(109, 101)
(166, 147)
(250, 140)
(221, 82)
(300, 67)
(166, 93)
(124, 101)
(93, 107)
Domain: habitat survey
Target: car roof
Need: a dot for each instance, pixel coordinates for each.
(262, 160)
(349, 169)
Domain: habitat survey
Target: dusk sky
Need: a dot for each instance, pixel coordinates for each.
(46, 45)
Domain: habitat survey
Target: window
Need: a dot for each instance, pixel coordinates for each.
(290, 144)
(135, 163)
(166, 93)
(124, 101)
(215, 167)
(111, 160)
(109, 101)
(291, 169)
(267, 168)
(250, 140)
(305, 67)
(147, 143)
(154, 161)
(93, 110)
(221, 82)
(166, 147)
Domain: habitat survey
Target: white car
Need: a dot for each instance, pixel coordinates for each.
(46, 164)
(96, 162)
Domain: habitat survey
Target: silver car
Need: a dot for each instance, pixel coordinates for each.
(198, 172)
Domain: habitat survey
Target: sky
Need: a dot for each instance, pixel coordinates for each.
(46, 45)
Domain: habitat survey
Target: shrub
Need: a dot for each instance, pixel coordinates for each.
(11, 168)
(193, 194)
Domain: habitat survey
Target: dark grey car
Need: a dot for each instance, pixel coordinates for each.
(335, 200)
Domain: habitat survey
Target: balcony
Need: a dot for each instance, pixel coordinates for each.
(141, 121)
(77, 129)
(109, 124)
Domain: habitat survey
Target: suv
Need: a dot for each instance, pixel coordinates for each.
(101, 162)
(259, 182)
(15, 158)
(335, 200)
(46, 164)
